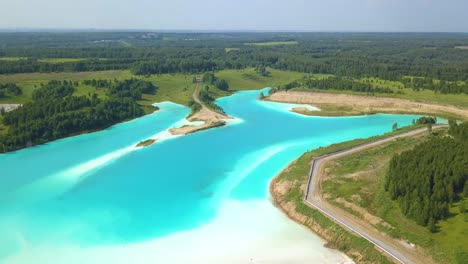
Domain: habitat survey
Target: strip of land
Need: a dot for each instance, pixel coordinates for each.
(399, 251)
(332, 104)
(210, 117)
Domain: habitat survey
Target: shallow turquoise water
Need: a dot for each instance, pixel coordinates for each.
(97, 189)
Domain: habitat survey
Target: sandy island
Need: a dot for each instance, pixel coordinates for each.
(332, 104)
(208, 116)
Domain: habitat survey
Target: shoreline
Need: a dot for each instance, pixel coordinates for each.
(331, 104)
(294, 215)
(334, 236)
(287, 189)
(210, 119)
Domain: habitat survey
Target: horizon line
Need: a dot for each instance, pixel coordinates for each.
(97, 30)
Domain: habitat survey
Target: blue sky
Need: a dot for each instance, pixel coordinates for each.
(299, 15)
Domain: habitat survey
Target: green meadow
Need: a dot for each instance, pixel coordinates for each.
(172, 87)
(272, 43)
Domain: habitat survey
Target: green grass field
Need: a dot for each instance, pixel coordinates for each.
(249, 79)
(271, 43)
(462, 47)
(358, 179)
(231, 49)
(172, 87)
(11, 58)
(177, 87)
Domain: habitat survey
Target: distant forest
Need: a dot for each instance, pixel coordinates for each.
(429, 178)
(386, 56)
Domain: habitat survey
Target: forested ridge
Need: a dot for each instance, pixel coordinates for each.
(55, 112)
(429, 178)
(386, 56)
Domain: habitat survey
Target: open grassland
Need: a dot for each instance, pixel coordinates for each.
(231, 49)
(462, 47)
(355, 183)
(176, 88)
(11, 58)
(249, 79)
(272, 43)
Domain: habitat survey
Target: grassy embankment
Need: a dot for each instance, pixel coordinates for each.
(294, 179)
(358, 180)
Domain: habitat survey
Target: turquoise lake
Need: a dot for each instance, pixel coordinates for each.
(96, 191)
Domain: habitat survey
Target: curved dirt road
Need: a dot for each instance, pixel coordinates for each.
(400, 251)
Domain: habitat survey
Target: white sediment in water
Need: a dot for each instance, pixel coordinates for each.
(247, 231)
(286, 107)
(265, 236)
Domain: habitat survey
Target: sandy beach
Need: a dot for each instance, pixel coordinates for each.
(357, 105)
(209, 118)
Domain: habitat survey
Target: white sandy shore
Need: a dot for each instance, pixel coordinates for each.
(364, 104)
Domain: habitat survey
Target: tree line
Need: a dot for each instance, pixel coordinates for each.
(56, 113)
(429, 178)
(336, 83)
(444, 87)
(385, 56)
(9, 90)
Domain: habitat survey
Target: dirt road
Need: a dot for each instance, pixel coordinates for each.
(397, 249)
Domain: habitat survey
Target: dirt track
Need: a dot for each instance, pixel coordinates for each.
(210, 117)
(398, 250)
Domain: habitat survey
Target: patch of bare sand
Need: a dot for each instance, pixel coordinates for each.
(209, 117)
(364, 104)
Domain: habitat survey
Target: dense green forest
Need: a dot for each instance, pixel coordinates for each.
(429, 178)
(419, 61)
(55, 112)
(386, 56)
(344, 84)
(9, 89)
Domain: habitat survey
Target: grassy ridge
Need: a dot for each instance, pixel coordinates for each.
(358, 178)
